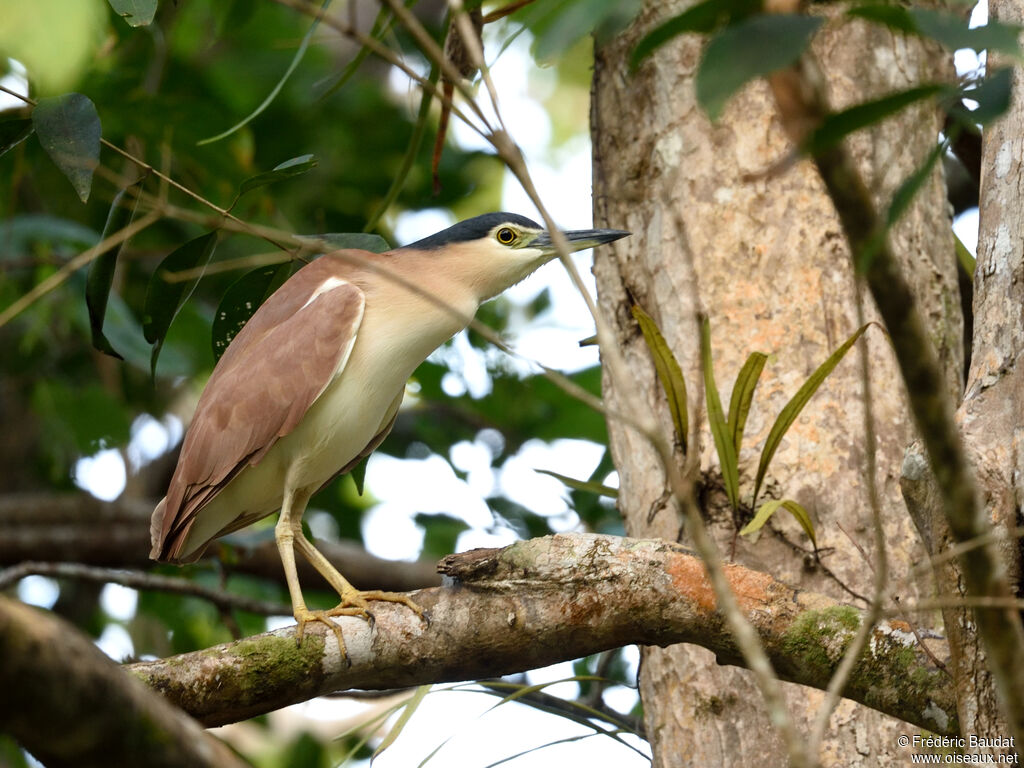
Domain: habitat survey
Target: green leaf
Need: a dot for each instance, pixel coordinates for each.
(992, 95)
(716, 419)
(164, 299)
(296, 166)
(101, 272)
(770, 507)
(895, 17)
(838, 125)
(277, 88)
(242, 299)
(743, 395)
(557, 26)
(69, 130)
(789, 414)
(20, 233)
(906, 191)
(752, 48)
(138, 13)
(669, 373)
(13, 132)
(702, 18)
(336, 241)
(952, 31)
(582, 485)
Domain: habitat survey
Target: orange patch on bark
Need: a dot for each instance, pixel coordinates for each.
(690, 578)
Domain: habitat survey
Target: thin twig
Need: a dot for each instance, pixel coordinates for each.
(881, 572)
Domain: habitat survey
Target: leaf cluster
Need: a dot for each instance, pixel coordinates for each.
(727, 429)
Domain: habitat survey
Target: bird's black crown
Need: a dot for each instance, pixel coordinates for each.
(472, 229)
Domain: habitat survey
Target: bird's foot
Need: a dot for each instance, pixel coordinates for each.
(360, 599)
(353, 603)
(303, 616)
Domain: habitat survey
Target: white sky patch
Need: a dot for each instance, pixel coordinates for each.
(475, 460)
(119, 602)
(16, 80)
(115, 642)
(966, 228)
(411, 226)
(39, 591)
(151, 439)
(102, 474)
(544, 494)
(474, 734)
(555, 672)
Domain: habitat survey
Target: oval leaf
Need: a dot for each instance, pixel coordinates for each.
(992, 95)
(669, 373)
(701, 18)
(296, 166)
(793, 407)
(952, 31)
(838, 125)
(752, 48)
(69, 130)
(743, 395)
(101, 272)
(242, 300)
(138, 13)
(164, 298)
(716, 420)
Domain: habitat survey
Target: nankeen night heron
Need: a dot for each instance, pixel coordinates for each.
(312, 383)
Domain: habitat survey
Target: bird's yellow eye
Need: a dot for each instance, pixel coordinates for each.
(506, 236)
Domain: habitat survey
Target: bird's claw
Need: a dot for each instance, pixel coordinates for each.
(354, 603)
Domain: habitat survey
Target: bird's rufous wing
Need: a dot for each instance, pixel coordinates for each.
(274, 369)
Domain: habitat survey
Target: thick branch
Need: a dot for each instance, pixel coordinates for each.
(70, 705)
(78, 528)
(551, 599)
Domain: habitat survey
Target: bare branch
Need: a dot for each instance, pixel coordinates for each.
(142, 581)
(77, 528)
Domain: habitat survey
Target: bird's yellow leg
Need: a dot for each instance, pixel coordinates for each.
(352, 599)
(288, 534)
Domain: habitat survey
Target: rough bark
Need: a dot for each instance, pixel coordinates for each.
(990, 415)
(763, 254)
(546, 600)
(70, 705)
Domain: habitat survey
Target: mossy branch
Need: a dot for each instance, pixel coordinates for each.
(551, 599)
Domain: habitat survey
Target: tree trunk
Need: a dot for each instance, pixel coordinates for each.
(990, 413)
(721, 227)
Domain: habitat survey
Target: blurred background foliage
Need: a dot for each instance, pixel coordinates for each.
(159, 89)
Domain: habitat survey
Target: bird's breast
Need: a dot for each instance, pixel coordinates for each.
(361, 399)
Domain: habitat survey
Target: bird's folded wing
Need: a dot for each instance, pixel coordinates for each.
(272, 372)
